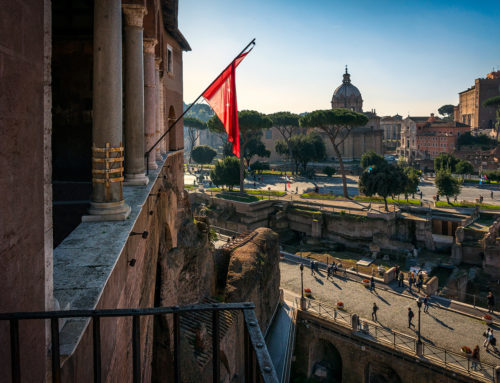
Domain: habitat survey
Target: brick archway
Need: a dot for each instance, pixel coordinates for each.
(381, 373)
(325, 362)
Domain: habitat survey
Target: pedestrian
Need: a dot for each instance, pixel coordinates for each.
(372, 283)
(296, 190)
(491, 302)
(421, 195)
(455, 198)
(475, 358)
(312, 267)
(410, 317)
(480, 199)
(493, 342)
(374, 312)
(401, 282)
(426, 303)
(329, 272)
(486, 337)
(335, 268)
(490, 339)
(491, 194)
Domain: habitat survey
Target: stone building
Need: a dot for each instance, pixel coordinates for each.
(85, 89)
(392, 130)
(363, 138)
(424, 138)
(470, 109)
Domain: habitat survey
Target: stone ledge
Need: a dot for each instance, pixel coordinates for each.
(84, 261)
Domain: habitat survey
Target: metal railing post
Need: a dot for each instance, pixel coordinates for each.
(96, 333)
(136, 348)
(177, 348)
(56, 364)
(215, 347)
(14, 351)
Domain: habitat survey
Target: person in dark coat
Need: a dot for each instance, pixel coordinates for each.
(491, 302)
(410, 318)
(475, 358)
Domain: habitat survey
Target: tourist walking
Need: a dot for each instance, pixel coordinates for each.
(488, 335)
(475, 358)
(401, 282)
(374, 312)
(426, 303)
(312, 267)
(491, 302)
(410, 318)
(372, 283)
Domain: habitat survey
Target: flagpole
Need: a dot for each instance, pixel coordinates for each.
(148, 152)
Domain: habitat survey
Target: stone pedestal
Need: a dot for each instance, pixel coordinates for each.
(159, 130)
(150, 100)
(107, 150)
(134, 95)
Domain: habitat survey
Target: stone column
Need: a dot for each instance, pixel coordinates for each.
(149, 99)
(157, 109)
(107, 202)
(134, 95)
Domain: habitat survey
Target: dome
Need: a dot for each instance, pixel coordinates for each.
(347, 95)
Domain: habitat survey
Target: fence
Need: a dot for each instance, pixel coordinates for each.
(257, 362)
(475, 300)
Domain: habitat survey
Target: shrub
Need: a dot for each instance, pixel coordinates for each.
(329, 171)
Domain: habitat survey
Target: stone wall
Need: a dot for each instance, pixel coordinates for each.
(359, 360)
(24, 42)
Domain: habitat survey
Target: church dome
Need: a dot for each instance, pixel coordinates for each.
(347, 95)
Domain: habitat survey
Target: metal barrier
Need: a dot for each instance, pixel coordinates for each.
(258, 364)
(472, 299)
(375, 332)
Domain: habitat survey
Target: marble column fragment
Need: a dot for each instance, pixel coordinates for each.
(107, 201)
(149, 99)
(157, 109)
(134, 95)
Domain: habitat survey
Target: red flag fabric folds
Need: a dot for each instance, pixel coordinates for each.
(221, 96)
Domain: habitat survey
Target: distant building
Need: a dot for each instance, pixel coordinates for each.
(482, 160)
(424, 138)
(392, 130)
(470, 109)
(363, 138)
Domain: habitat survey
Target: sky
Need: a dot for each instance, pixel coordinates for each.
(405, 56)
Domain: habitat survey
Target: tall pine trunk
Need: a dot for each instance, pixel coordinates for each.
(341, 166)
(242, 174)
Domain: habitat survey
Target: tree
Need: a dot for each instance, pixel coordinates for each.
(226, 172)
(255, 147)
(329, 171)
(259, 167)
(446, 184)
(304, 149)
(482, 139)
(371, 159)
(337, 124)
(447, 111)
(249, 121)
(286, 123)
(383, 179)
(203, 154)
(494, 102)
(464, 167)
(412, 180)
(194, 127)
(445, 162)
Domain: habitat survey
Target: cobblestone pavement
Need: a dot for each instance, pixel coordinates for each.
(439, 327)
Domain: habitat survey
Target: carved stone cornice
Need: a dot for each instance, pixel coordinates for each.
(158, 61)
(149, 45)
(134, 14)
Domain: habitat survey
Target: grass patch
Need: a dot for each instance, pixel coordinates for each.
(263, 193)
(277, 172)
(189, 187)
(475, 182)
(314, 195)
(305, 210)
(239, 197)
(468, 204)
(389, 200)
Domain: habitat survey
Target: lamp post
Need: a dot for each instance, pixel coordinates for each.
(419, 340)
(302, 299)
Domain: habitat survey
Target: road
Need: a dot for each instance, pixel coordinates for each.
(334, 185)
(439, 327)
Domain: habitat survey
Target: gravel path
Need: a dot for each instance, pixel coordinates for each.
(439, 327)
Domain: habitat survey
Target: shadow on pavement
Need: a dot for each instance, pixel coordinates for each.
(440, 322)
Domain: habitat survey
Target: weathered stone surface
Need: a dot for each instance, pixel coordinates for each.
(254, 275)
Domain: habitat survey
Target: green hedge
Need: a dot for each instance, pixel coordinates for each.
(468, 204)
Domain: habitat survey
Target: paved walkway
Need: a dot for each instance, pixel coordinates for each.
(440, 327)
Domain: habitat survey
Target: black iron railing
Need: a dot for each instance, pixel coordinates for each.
(258, 364)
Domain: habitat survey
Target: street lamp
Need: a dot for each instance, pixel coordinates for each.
(302, 299)
(419, 340)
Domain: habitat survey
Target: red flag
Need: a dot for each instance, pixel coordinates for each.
(221, 96)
